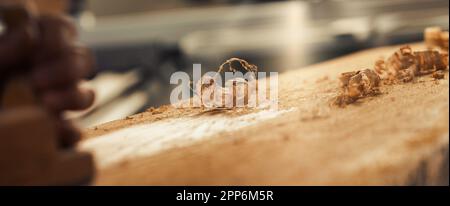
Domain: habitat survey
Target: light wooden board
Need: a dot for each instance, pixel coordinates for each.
(397, 138)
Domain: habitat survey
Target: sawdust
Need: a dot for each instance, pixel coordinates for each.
(323, 79)
(184, 130)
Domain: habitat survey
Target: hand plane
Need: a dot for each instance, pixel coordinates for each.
(29, 149)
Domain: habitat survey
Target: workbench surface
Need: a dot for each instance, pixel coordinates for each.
(399, 137)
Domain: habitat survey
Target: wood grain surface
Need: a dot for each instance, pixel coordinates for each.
(399, 137)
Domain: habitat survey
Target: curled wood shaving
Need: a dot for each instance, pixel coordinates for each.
(247, 66)
(239, 86)
(356, 85)
(402, 66)
(438, 74)
(436, 38)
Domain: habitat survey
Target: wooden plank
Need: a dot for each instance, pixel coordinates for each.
(397, 138)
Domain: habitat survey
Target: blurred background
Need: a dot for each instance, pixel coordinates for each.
(138, 44)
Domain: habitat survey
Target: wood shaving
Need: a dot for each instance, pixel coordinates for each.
(237, 92)
(402, 66)
(427, 62)
(245, 65)
(438, 74)
(436, 38)
(356, 85)
(380, 69)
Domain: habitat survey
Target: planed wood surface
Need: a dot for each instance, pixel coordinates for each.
(397, 138)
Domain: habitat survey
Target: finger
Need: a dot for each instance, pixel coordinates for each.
(18, 36)
(56, 34)
(68, 134)
(75, 64)
(71, 98)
